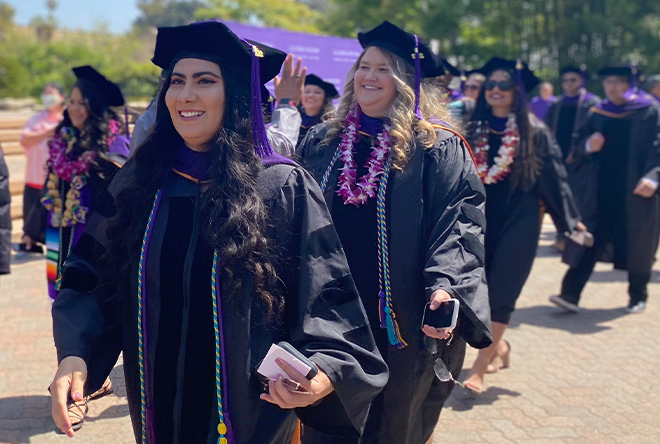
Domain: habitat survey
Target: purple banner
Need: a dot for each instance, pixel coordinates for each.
(328, 57)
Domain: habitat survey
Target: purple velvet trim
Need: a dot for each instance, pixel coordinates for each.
(276, 158)
(145, 353)
(192, 163)
(225, 386)
(119, 145)
(497, 123)
(418, 78)
(635, 100)
(261, 145)
(371, 125)
(573, 101)
(308, 121)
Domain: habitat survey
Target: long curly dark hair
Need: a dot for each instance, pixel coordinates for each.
(233, 216)
(96, 130)
(525, 169)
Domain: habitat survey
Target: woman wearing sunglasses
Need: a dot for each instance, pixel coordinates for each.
(520, 164)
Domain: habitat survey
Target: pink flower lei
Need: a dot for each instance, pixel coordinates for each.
(502, 163)
(367, 186)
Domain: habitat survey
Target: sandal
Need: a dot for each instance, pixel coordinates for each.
(471, 388)
(77, 412)
(105, 390)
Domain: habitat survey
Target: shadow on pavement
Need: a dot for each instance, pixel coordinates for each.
(461, 400)
(24, 258)
(585, 322)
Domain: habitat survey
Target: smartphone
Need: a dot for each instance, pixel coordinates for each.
(444, 317)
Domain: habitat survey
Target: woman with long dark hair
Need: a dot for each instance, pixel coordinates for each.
(87, 150)
(520, 164)
(316, 103)
(408, 206)
(210, 248)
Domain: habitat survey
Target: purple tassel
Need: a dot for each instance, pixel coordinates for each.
(261, 146)
(522, 94)
(128, 136)
(382, 303)
(418, 78)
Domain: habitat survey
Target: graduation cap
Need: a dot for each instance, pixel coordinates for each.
(522, 74)
(454, 71)
(212, 40)
(330, 90)
(407, 46)
(110, 92)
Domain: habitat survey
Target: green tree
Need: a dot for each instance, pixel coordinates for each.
(6, 18)
(157, 13)
(287, 14)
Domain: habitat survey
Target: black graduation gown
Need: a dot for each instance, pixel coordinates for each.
(513, 220)
(631, 152)
(323, 317)
(435, 226)
(307, 124)
(565, 118)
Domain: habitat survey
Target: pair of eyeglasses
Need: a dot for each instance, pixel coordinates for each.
(569, 80)
(442, 372)
(507, 85)
(472, 87)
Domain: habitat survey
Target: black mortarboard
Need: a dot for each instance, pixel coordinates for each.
(109, 91)
(215, 42)
(394, 39)
(330, 90)
(618, 70)
(212, 40)
(407, 46)
(571, 68)
(454, 71)
(517, 68)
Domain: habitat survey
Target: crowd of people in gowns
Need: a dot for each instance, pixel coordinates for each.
(230, 220)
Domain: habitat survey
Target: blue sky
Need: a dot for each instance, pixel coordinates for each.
(118, 15)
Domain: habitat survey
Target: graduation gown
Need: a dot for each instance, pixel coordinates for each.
(308, 122)
(435, 221)
(323, 317)
(631, 152)
(565, 117)
(512, 216)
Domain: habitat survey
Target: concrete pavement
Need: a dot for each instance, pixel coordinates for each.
(585, 378)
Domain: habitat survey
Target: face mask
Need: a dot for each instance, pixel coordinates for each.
(50, 100)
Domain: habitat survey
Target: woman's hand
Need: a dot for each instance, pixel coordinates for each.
(580, 227)
(437, 298)
(595, 142)
(320, 387)
(28, 241)
(645, 188)
(69, 379)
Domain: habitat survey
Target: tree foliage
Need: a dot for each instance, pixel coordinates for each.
(157, 13)
(286, 14)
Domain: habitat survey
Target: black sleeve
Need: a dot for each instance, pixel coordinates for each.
(327, 319)
(652, 163)
(86, 321)
(454, 205)
(553, 183)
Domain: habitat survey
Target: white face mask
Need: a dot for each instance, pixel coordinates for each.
(51, 100)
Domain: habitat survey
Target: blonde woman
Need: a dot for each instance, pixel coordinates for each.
(407, 203)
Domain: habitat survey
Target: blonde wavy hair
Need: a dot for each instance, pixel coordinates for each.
(407, 130)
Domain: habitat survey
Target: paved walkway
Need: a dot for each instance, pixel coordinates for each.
(586, 378)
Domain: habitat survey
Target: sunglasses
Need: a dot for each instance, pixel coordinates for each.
(507, 85)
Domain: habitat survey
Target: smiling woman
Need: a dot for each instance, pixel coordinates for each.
(196, 101)
(210, 248)
(407, 203)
